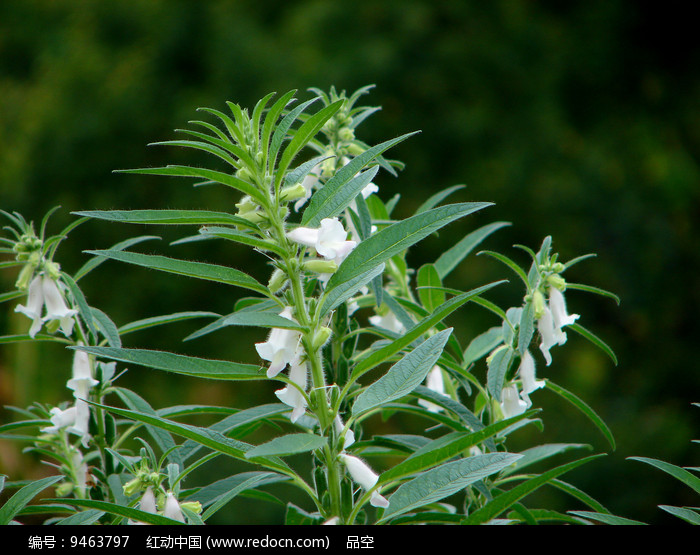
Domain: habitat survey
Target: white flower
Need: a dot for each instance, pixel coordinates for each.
(81, 471)
(281, 347)
(435, 382)
(553, 319)
(365, 477)
(35, 305)
(389, 322)
(172, 508)
(81, 383)
(557, 305)
(56, 308)
(527, 374)
(339, 426)
(60, 419)
(512, 404)
(332, 521)
(148, 501)
(292, 396)
(329, 240)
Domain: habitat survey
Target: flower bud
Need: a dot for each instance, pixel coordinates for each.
(555, 280)
(53, 270)
(346, 134)
(246, 205)
(538, 303)
(354, 149)
(194, 506)
(25, 276)
(132, 487)
(244, 174)
(277, 281)
(293, 192)
(558, 267)
(320, 338)
(320, 266)
(64, 489)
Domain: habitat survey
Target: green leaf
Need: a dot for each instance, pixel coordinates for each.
(508, 262)
(211, 175)
(483, 344)
(83, 518)
(203, 436)
(18, 501)
(397, 237)
(451, 258)
(591, 289)
(165, 441)
(446, 447)
(428, 280)
(180, 364)
(166, 217)
(119, 510)
(437, 198)
(215, 491)
(526, 327)
(445, 480)
(507, 499)
(107, 327)
(200, 270)
(379, 356)
(83, 307)
(677, 472)
(290, 444)
(303, 135)
(95, 261)
(249, 483)
(334, 205)
(254, 318)
(281, 129)
(197, 145)
(498, 365)
(241, 237)
(540, 453)
(606, 518)
(334, 196)
(160, 320)
(682, 512)
(343, 292)
(597, 341)
(404, 376)
(585, 409)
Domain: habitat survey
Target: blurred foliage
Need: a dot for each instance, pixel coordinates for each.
(579, 119)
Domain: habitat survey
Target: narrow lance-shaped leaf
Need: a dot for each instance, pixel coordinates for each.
(451, 258)
(507, 499)
(330, 200)
(443, 481)
(180, 364)
(166, 217)
(404, 376)
(289, 444)
(20, 499)
(397, 237)
(200, 270)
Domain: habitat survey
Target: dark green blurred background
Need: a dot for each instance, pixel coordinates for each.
(578, 119)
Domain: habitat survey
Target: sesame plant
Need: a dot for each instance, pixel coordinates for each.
(350, 332)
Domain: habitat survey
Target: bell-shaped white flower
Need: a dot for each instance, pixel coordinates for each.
(60, 419)
(549, 333)
(81, 383)
(512, 404)
(81, 471)
(329, 240)
(557, 305)
(526, 371)
(35, 305)
(56, 308)
(293, 396)
(435, 382)
(172, 508)
(363, 475)
(339, 426)
(148, 501)
(281, 347)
